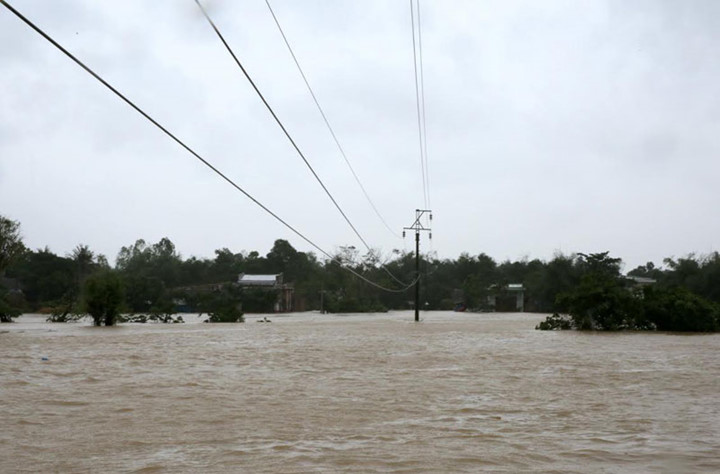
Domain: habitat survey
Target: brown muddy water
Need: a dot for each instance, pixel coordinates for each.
(356, 393)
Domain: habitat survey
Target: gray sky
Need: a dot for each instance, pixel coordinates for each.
(552, 126)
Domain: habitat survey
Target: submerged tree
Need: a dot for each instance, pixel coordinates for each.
(11, 246)
(223, 305)
(601, 300)
(103, 297)
(677, 309)
(605, 300)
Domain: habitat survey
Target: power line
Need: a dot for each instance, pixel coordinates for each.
(287, 134)
(419, 114)
(272, 112)
(422, 97)
(327, 122)
(187, 148)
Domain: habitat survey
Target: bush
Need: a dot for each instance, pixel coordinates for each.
(257, 300)
(103, 297)
(7, 310)
(226, 315)
(134, 318)
(677, 309)
(65, 311)
(163, 311)
(63, 317)
(555, 322)
(223, 306)
(606, 308)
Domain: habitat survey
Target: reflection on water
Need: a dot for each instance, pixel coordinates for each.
(454, 393)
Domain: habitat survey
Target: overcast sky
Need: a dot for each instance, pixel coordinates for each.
(551, 126)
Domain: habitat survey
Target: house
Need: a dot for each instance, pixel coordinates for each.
(510, 297)
(641, 281)
(271, 283)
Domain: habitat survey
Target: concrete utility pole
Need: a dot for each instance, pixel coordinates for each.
(418, 227)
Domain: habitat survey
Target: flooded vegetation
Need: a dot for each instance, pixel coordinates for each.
(356, 393)
(154, 282)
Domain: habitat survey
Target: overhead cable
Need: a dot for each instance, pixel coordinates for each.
(422, 101)
(327, 122)
(188, 149)
(419, 113)
(287, 134)
(272, 112)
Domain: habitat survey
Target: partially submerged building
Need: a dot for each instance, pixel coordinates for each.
(510, 297)
(270, 284)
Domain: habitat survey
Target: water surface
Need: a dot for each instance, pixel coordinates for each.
(356, 393)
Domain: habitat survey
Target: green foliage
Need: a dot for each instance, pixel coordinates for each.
(601, 301)
(65, 313)
(677, 309)
(8, 310)
(223, 305)
(159, 261)
(133, 318)
(46, 278)
(258, 300)
(604, 300)
(103, 297)
(555, 322)
(164, 311)
(588, 287)
(11, 245)
(142, 292)
(649, 270)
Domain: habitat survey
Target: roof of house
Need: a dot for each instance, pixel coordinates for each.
(642, 280)
(259, 280)
(258, 277)
(508, 287)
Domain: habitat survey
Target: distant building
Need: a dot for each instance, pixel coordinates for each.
(285, 291)
(509, 297)
(641, 281)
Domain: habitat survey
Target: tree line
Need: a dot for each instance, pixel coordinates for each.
(154, 281)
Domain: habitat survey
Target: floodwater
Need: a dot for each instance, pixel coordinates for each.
(356, 393)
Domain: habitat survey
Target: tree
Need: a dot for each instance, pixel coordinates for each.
(45, 278)
(484, 273)
(604, 300)
(84, 261)
(601, 300)
(8, 310)
(223, 305)
(83, 264)
(164, 310)
(677, 309)
(103, 297)
(11, 247)
(649, 270)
